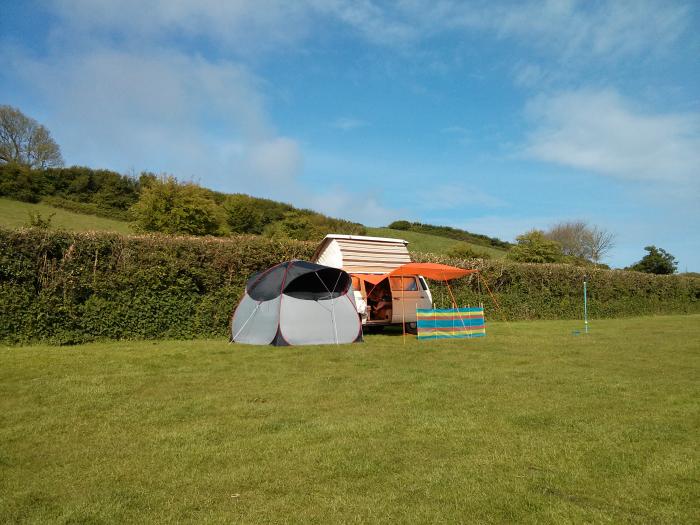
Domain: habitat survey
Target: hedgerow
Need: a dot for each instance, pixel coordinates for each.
(67, 287)
(555, 291)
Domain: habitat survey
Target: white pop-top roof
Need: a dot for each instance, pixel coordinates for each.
(362, 254)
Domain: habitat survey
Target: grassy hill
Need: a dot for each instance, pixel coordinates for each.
(423, 242)
(82, 198)
(14, 214)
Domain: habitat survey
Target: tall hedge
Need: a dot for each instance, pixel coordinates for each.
(555, 291)
(66, 287)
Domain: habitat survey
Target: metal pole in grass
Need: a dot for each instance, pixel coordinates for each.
(585, 304)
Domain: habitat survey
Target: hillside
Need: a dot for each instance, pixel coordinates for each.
(15, 214)
(423, 242)
(83, 199)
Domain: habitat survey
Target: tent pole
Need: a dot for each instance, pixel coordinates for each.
(246, 321)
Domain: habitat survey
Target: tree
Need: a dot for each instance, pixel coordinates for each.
(601, 242)
(400, 225)
(242, 214)
(167, 206)
(24, 141)
(657, 261)
(535, 247)
(578, 239)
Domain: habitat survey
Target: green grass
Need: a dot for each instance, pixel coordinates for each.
(423, 242)
(530, 424)
(14, 214)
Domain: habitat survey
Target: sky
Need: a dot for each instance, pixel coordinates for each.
(495, 117)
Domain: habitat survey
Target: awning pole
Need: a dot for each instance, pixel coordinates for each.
(493, 298)
(403, 312)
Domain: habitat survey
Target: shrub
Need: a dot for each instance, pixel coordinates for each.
(167, 206)
(535, 247)
(464, 251)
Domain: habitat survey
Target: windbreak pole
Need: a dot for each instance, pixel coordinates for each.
(585, 304)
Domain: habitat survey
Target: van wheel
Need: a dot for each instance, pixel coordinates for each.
(412, 328)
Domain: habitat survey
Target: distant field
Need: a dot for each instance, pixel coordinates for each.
(530, 424)
(422, 242)
(14, 214)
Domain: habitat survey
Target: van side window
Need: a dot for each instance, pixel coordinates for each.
(423, 284)
(405, 283)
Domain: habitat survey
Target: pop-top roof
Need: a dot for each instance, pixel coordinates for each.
(362, 254)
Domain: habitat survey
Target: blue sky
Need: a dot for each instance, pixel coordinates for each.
(497, 117)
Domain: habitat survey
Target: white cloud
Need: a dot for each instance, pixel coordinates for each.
(613, 28)
(240, 25)
(348, 123)
(610, 29)
(162, 111)
(276, 161)
(452, 196)
(359, 207)
(601, 132)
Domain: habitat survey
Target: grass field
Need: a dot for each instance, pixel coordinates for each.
(422, 242)
(530, 424)
(14, 214)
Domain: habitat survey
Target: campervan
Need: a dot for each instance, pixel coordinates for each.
(380, 301)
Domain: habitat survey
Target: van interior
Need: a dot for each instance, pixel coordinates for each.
(379, 305)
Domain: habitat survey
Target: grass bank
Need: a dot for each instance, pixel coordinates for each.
(423, 242)
(530, 424)
(15, 214)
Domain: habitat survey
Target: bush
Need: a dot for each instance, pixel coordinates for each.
(66, 287)
(464, 251)
(400, 225)
(535, 247)
(167, 206)
(555, 291)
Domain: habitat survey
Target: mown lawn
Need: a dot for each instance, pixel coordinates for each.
(14, 214)
(530, 424)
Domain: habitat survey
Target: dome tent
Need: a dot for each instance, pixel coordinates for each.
(297, 303)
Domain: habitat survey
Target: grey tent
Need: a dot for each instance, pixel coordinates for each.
(297, 303)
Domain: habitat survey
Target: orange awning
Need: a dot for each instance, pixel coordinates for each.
(438, 272)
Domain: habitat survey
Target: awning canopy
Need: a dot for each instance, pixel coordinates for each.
(438, 272)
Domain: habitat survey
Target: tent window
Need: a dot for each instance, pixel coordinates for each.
(316, 285)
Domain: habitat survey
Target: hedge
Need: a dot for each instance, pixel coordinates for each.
(68, 287)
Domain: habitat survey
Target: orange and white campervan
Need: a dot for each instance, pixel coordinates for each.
(380, 300)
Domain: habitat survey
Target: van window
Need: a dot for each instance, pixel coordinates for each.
(423, 284)
(405, 283)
